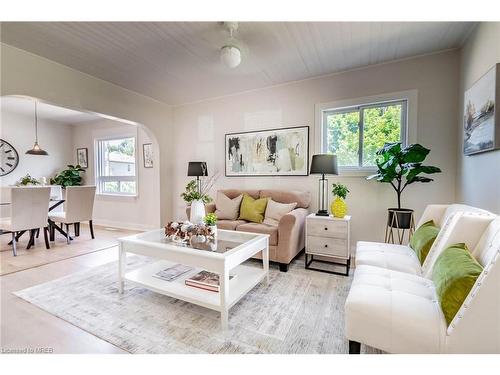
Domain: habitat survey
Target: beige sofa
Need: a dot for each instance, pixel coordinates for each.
(286, 240)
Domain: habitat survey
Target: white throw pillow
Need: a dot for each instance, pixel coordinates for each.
(227, 208)
(275, 211)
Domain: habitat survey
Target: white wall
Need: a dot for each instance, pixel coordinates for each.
(200, 129)
(139, 212)
(23, 73)
(478, 176)
(55, 138)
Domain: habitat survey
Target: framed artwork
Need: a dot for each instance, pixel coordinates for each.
(481, 119)
(147, 153)
(275, 152)
(82, 157)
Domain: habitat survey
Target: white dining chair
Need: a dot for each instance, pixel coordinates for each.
(78, 207)
(29, 207)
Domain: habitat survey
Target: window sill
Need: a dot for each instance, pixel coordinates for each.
(356, 172)
(116, 196)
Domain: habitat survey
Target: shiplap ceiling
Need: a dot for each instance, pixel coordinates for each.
(26, 107)
(178, 62)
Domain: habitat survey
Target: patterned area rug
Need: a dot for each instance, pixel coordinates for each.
(301, 311)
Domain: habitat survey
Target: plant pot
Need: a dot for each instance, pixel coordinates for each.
(339, 208)
(400, 218)
(197, 211)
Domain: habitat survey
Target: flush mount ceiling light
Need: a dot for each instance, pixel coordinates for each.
(230, 53)
(36, 150)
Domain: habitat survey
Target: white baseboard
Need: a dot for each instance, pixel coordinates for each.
(122, 225)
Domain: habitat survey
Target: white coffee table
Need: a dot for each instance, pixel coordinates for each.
(232, 249)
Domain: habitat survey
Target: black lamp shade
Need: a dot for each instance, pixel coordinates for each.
(197, 168)
(324, 164)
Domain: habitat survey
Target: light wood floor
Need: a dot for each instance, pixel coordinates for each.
(59, 249)
(23, 325)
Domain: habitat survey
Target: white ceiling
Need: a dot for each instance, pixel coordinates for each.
(178, 62)
(26, 107)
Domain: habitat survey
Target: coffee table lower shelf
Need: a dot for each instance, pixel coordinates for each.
(247, 278)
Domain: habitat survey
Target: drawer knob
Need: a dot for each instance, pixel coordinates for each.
(326, 228)
(326, 245)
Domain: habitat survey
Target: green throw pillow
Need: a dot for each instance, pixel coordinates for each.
(253, 209)
(454, 275)
(423, 238)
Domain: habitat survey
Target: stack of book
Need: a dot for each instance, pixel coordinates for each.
(205, 280)
(172, 273)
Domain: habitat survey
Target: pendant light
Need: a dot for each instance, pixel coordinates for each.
(36, 150)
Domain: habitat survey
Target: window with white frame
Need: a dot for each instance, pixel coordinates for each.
(116, 166)
(355, 133)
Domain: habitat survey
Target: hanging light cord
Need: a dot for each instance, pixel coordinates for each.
(36, 124)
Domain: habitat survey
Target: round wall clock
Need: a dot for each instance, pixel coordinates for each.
(9, 158)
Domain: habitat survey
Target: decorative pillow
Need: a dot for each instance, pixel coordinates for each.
(252, 209)
(275, 211)
(227, 208)
(423, 238)
(454, 274)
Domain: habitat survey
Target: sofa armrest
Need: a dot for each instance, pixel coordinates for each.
(291, 237)
(209, 208)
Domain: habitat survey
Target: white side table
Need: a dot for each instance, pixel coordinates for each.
(328, 237)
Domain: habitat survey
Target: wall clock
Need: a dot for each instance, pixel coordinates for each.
(9, 158)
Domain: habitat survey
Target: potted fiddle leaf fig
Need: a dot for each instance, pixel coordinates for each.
(69, 177)
(401, 167)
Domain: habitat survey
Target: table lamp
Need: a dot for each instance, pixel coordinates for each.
(324, 164)
(197, 168)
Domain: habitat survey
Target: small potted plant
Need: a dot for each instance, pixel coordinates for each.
(69, 177)
(339, 207)
(401, 167)
(210, 221)
(197, 199)
(27, 180)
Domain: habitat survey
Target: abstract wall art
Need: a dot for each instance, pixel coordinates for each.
(481, 117)
(276, 152)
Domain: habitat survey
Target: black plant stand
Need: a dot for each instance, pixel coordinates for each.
(395, 224)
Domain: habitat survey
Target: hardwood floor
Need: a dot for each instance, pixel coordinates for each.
(59, 249)
(25, 326)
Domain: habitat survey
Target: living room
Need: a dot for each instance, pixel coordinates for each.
(263, 152)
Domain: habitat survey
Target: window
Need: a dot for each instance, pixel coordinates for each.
(355, 133)
(115, 166)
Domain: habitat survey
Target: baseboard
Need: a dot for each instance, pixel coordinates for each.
(121, 225)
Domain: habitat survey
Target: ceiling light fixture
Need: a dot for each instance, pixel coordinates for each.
(230, 53)
(36, 150)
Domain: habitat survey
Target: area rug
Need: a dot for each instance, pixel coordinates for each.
(301, 311)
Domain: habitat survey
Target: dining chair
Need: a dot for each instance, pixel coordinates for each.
(29, 207)
(79, 206)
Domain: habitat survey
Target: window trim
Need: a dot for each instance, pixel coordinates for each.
(97, 167)
(410, 96)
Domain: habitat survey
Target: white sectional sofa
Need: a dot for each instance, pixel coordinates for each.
(392, 304)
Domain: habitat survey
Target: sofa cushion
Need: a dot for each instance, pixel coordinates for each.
(233, 193)
(229, 224)
(261, 228)
(454, 274)
(227, 208)
(423, 238)
(390, 256)
(252, 209)
(302, 198)
(275, 211)
(394, 311)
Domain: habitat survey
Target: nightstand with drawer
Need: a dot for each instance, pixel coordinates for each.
(328, 238)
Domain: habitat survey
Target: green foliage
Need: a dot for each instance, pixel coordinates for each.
(340, 190)
(380, 125)
(125, 147)
(210, 219)
(27, 180)
(192, 194)
(402, 166)
(69, 177)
